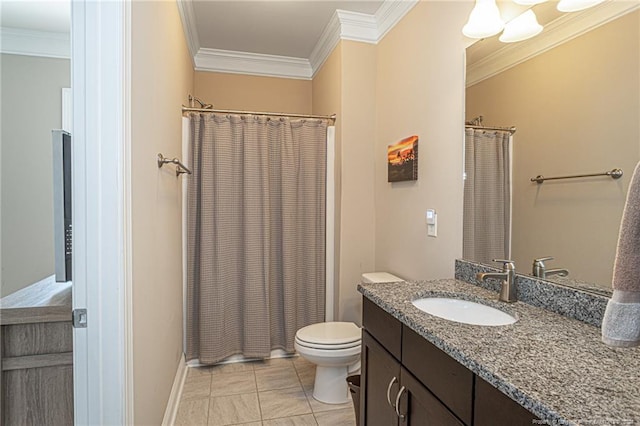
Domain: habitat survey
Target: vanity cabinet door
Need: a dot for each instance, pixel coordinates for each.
(420, 407)
(493, 408)
(380, 373)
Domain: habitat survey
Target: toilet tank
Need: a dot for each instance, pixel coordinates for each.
(379, 277)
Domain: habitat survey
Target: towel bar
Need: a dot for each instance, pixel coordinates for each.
(180, 168)
(614, 174)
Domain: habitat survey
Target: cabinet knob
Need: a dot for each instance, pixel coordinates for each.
(394, 380)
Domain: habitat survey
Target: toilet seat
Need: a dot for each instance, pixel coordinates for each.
(313, 345)
(330, 335)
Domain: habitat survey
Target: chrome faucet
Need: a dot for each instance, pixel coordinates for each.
(540, 271)
(508, 291)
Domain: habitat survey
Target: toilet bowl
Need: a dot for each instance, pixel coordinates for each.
(335, 348)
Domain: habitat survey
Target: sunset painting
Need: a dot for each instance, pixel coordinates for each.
(402, 160)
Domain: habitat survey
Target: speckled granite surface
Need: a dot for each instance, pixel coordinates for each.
(575, 303)
(554, 366)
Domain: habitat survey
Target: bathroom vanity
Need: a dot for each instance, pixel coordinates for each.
(421, 369)
(36, 361)
(436, 387)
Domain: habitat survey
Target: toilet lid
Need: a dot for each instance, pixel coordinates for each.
(330, 333)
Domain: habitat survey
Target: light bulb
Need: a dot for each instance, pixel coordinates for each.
(521, 28)
(484, 20)
(576, 5)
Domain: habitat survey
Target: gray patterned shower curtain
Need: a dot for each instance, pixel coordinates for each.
(255, 233)
(487, 195)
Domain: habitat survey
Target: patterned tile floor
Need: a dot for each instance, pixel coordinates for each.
(275, 392)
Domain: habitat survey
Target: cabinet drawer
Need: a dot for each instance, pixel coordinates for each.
(381, 325)
(493, 408)
(36, 338)
(448, 380)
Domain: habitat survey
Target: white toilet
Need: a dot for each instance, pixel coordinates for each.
(335, 349)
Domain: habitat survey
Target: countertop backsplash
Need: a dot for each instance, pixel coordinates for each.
(570, 302)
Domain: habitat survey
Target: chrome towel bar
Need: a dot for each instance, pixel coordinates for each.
(180, 168)
(614, 174)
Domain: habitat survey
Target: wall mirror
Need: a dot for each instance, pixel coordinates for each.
(573, 94)
(35, 71)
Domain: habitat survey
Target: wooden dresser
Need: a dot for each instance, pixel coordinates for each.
(36, 356)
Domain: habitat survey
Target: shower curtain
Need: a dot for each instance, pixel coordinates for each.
(487, 195)
(255, 233)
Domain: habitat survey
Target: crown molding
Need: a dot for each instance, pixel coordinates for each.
(390, 13)
(16, 41)
(252, 63)
(188, 18)
(358, 26)
(326, 43)
(343, 25)
(558, 32)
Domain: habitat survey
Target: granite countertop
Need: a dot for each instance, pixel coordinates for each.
(554, 366)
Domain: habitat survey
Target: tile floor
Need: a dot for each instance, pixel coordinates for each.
(275, 392)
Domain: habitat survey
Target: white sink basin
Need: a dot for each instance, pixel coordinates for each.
(463, 311)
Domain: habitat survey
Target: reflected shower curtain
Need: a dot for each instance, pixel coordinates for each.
(255, 234)
(487, 195)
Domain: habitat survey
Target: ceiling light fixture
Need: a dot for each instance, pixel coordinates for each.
(576, 5)
(484, 20)
(521, 28)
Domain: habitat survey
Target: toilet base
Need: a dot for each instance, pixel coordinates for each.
(330, 386)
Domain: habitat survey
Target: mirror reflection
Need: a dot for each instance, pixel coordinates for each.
(576, 108)
(35, 69)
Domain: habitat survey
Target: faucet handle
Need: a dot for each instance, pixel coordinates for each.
(542, 259)
(507, 265)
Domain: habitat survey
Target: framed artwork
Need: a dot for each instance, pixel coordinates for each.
(402, 160)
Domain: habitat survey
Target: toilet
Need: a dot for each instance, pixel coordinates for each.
(335, 349)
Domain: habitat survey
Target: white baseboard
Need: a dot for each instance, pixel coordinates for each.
(176, 392)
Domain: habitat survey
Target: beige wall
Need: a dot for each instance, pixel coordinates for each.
(576, 108)
(420, 91)
(31, 108)
(253, 93)
(327, 99)
(161, 79)
(357, 216)
(345, 85)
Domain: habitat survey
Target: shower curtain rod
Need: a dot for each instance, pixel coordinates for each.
(511, 129)
(274, 114)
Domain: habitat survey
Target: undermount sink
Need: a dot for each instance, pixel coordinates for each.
(463, 311)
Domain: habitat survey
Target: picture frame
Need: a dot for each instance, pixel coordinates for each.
(402, 160)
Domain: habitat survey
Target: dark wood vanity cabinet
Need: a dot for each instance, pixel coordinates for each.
(387, 384)
(493, 407)
(380, 373)
(400, 367)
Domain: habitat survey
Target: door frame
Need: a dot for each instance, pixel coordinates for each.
(102, 352)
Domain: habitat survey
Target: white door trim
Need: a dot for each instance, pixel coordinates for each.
(101, 211)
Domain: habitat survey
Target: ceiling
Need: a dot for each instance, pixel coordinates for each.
(284, 28)
(285, 38)
(281, 38)
(45, 15)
